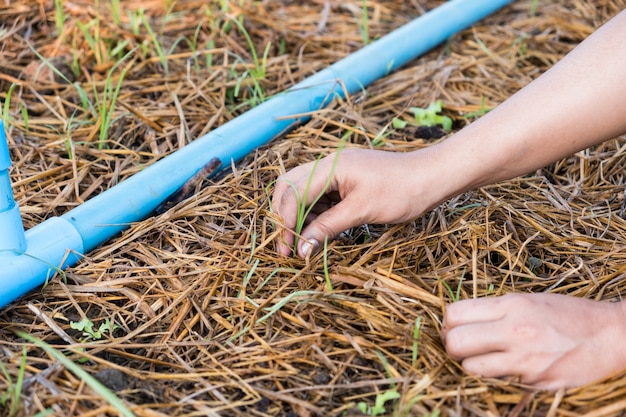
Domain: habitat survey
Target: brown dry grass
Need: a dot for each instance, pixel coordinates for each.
(211, 321)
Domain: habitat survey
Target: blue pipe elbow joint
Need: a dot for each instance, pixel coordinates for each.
(28, 260)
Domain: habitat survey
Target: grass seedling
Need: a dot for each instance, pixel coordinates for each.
(275, 308)
(365, 33)
(105, 103)
(303, 209)
(478, 113)
(86, 326)
(416, 336)
(115, 11)
(426, 117)
(92, 382)
(379, 403)
(10, 399)
(258, 72)
(59, 19)
(155, 42)
(329, 284)
(6, 108)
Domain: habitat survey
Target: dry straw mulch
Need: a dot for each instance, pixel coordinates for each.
(209, 321)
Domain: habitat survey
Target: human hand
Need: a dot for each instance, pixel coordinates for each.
(366, 187)
(551, 341)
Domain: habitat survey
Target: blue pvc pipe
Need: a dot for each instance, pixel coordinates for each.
(104, 216)
(12, 237)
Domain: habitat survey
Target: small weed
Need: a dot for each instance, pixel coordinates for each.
(87, 327)
(10, 399)
(6, 108)
(481, 112)
(533, 7)
(329, 284)
(455, 296)
(379, 404)
(534, 263)
(416, 336)
(364, 27)
(59, 19)
(426, 117)
(303, 211)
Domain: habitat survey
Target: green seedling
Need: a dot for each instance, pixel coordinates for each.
(329, 284)
(10, 399)
(379, 404)
(303, 211)
(105, 103)
(59, 19)
(455, 296)
(155, 42)
(6, 108)
(478, 113)
(426, 117)
(87, 327)
(364, 27)
(259, 70)
(416, 336)
(534, 263)
(533, 7)
(92, 382)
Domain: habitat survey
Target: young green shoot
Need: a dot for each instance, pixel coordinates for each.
(303, 211)
(86, 326)
(6, 108)
(416, 336)
(429, 116)
(365, 35)
(379, 403)
(155, 42)
(59, 19)
(329, 284)
(11, 398)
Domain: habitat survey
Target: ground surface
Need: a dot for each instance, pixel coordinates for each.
(203, 318)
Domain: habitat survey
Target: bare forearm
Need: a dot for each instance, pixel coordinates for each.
(580, 102)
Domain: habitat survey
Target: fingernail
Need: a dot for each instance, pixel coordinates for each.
(309, 247)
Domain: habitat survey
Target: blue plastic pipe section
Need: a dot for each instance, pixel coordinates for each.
(58, 242)
(12, 237)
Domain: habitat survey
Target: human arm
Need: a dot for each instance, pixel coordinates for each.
(581, 101)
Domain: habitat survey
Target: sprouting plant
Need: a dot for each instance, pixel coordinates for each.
(6, 108)
(87, 327)
(533, 7)
(455, 295)
(59, 19)
(429, 116)
(92, 382)
(416, 336)
(155, 42)
(258, 72)
(380, 137)
(329, 284)
(478, 113)
(303, 211)
(105, 103)
(379, 403)
(115, 11)
(365, 36)
(10, 399)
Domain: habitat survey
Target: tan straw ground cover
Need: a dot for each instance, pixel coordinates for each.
(198, 315)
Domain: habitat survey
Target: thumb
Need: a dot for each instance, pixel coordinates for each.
(327, 225)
